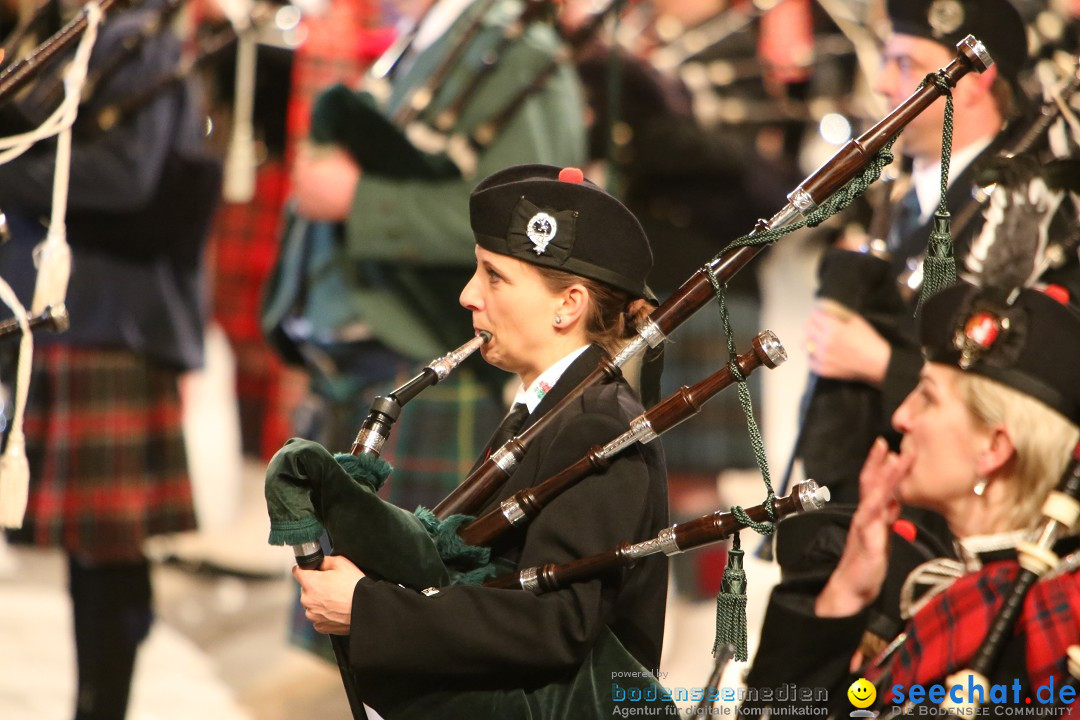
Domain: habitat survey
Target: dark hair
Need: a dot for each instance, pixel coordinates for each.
(613, 315)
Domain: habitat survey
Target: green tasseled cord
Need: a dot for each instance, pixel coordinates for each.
(731, 604)
(743, 389)
(939, 265)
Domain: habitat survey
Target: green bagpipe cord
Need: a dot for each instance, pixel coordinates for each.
(939, 265)
(309, 489)
(351, 119)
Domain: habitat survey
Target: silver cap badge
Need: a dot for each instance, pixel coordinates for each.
(540, 231)
(945, 17)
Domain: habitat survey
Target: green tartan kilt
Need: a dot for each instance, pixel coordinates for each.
(104, 441)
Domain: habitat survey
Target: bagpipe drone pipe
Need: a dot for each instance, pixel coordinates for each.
(339, 494)
(309, 489)
(54, 318)
(21, 72)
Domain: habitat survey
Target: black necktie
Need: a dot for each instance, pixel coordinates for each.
(509, 426)
(905, 222)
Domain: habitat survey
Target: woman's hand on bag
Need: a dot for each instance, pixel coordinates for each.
(327, 594)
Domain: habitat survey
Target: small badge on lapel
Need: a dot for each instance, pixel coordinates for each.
(540, 231)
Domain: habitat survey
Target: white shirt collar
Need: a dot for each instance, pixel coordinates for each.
(539, 387)
(975, 545)
(927, 176)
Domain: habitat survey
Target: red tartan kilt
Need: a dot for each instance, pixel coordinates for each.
(107, 460)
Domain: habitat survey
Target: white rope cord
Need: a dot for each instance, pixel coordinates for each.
(53, 259)
(14, 469)
(53, 256)
(64, 115)
(238, 185)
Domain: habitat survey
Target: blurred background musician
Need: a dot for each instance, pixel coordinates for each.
(860, 337)
(301, 50)
(747, 84)
(103, 425)
(987, 434)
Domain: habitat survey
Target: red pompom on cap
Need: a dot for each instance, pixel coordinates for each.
(1059, 293)
(571, 175)
(905, 529)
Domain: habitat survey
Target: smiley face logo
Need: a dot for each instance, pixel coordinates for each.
(862, 693)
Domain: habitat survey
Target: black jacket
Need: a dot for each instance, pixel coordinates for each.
(471, 637)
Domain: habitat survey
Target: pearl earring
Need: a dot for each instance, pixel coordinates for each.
(980, 486)
(558, 319)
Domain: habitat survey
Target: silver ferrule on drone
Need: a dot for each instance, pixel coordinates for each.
(663, 543)
(529, 579)
(511, 510)
(813, 496)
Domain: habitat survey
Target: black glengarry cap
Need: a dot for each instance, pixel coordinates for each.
(995, 23)
(1024, 339)
(555, 218)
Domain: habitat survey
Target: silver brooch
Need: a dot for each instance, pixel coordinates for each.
(945, 17)
(540, 231)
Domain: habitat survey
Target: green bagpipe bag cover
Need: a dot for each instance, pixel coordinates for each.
(352, 119)
(608, 681)
(307, 490)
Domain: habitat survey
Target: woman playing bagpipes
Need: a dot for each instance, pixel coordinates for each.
(560, 278)
(987, 434)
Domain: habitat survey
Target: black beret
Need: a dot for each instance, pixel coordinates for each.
(570, 224)
(995, 23)
(1028, 342)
